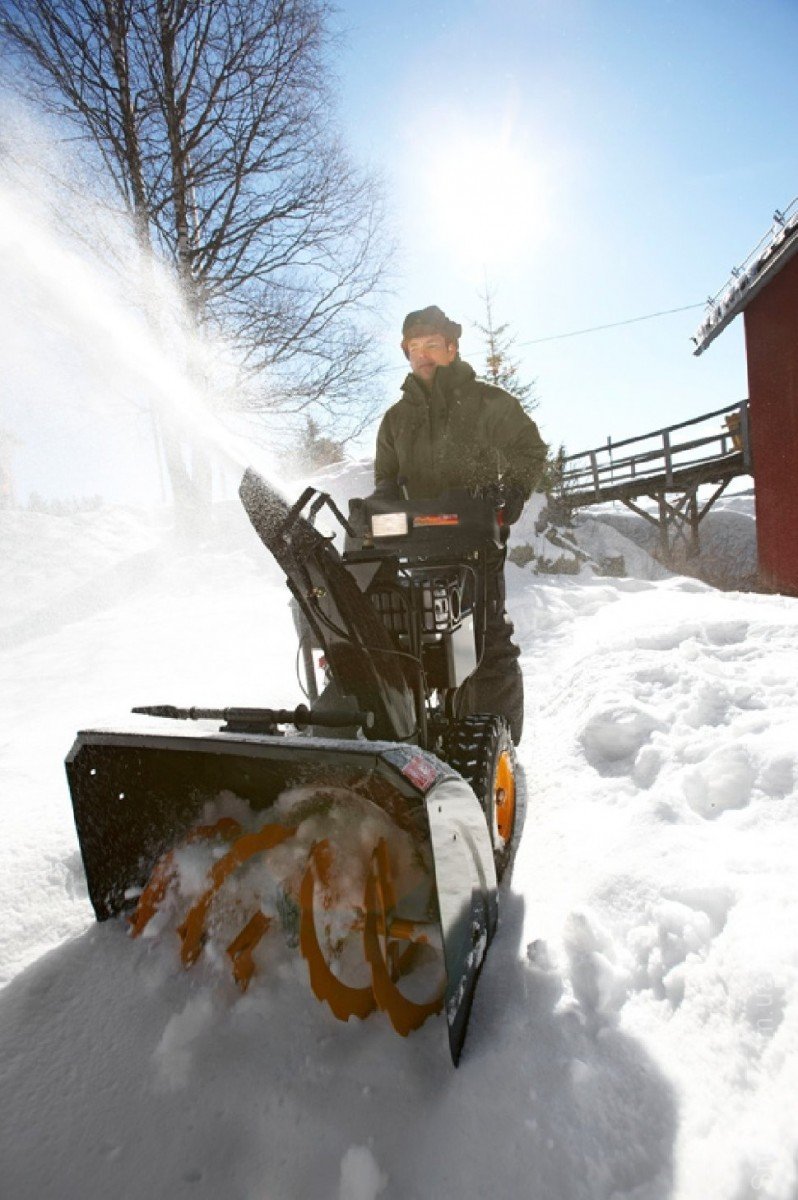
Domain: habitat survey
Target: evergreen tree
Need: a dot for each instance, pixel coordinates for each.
(500, 368)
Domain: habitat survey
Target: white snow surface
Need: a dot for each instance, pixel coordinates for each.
(635, 1030)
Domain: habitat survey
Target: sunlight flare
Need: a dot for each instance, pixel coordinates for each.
(486, 199)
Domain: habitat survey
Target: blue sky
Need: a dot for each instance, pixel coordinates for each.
(599, 160)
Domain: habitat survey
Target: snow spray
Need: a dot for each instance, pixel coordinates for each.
(99, 356)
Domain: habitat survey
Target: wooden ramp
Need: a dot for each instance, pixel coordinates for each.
(667, 466)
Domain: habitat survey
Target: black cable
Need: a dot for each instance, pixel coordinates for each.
(666, 312)
(302, 687)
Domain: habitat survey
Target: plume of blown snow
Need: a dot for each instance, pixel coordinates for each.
(100, 356)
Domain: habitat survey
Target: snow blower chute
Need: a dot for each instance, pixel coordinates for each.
(380, 823)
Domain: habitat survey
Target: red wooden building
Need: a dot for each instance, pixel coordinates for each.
(765, 290)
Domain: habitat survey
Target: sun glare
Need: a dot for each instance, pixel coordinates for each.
(486, 201)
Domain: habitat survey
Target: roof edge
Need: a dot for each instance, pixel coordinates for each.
(747, 285)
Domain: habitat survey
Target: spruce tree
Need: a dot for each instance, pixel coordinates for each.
(501, 368)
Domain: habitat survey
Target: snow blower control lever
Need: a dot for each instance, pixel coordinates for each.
(260, 720)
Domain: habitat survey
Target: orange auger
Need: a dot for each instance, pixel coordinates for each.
(241, 947)
(382, 932)
(345, 1001)
(164, 872)
(389, 942)
(192, 931)
(380, 937)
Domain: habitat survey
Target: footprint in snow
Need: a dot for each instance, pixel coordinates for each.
(723, 781)
(600, 983)
(612, 739)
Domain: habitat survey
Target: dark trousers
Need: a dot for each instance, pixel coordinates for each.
(497, 685)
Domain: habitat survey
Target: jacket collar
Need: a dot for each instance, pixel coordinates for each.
(445, 382)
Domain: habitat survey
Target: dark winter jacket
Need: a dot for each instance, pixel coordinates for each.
(464, 433)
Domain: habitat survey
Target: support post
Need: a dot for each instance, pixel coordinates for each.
(666, 442)
(594, 468)
(664, 541)
(694, 517)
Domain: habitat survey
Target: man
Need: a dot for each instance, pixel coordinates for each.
(452, 430)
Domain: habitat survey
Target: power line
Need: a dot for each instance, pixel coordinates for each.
(666, 312)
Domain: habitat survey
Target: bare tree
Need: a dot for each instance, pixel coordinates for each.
(500, 368)
(74, 59)
(213, 121)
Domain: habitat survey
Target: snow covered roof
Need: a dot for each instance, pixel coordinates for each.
(767, 258)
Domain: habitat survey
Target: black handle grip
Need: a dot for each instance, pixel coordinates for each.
(300, 716)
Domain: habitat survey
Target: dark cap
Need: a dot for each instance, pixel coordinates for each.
(430, 320)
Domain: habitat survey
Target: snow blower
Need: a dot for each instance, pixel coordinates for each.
(369, 827)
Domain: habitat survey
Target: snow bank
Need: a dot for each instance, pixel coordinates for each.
(727, 555)
(115, 617)
(670, 778)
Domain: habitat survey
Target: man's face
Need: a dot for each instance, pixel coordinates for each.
(427, 352)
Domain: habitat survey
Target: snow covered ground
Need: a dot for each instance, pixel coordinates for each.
(635, 1031)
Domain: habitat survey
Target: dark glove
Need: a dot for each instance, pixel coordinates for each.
(358, 516)
(514, 501)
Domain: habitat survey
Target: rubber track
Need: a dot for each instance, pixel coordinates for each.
(471, 746)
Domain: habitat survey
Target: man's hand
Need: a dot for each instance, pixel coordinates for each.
(358, 517)
(388, 489)
(508, 500)
(514, 501)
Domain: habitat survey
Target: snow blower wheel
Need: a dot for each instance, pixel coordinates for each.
(481, 749)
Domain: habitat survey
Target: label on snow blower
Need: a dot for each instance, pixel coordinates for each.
(436, 519)
(420, 772)
(421, 769)
(389, 525)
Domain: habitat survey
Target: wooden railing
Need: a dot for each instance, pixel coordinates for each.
(664, 458)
